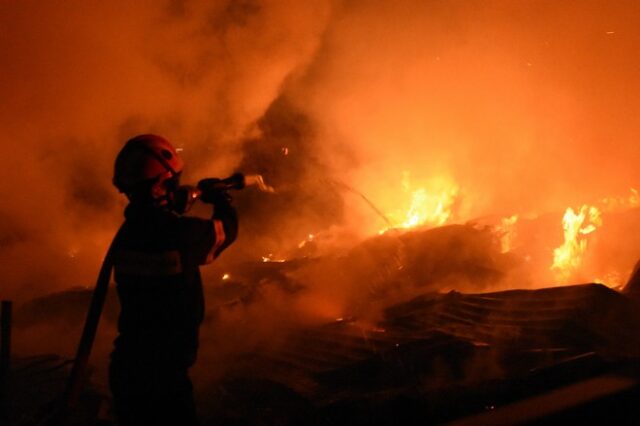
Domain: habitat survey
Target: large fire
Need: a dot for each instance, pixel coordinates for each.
(429, 205)
(568, 258)
(436, 202)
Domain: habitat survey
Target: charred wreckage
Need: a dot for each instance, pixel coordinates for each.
(541, 356)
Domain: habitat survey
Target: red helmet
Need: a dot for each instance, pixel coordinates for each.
(146, 164)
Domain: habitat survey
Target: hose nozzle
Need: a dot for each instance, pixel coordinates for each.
(186, 195)
(258, 180)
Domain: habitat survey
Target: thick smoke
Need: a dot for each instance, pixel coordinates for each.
(80, 78)
(527, 106)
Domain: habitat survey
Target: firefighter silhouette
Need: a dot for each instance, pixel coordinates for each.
(157, 257)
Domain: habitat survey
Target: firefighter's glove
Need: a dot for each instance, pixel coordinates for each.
(213, 192)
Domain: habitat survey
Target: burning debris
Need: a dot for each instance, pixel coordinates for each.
(345, 311)
(399, 338)
(438, 356)
(430, 206)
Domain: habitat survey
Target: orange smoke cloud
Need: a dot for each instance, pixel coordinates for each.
(78, 78)
(528, 106)
(524, 106)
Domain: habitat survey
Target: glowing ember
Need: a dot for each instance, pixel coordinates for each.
(270, 258)
(613, 279)
(568, 258)
(225, 277)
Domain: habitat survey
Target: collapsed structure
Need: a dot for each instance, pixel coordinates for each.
(427, 355)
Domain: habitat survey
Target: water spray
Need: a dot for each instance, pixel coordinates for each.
(373, 207)
(186, 195)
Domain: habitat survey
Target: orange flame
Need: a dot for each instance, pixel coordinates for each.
(507, 232)
(568, 258)
(432, 206)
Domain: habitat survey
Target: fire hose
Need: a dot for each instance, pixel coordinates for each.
(185, 197)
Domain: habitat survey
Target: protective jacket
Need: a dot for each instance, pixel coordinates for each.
(156, 266)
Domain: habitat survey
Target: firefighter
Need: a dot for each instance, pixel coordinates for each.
(156, 267)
